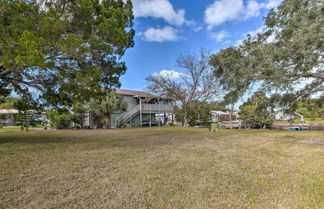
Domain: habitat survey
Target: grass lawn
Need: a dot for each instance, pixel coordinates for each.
(17, 128)
(167, 167)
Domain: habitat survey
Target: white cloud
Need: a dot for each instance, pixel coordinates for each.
(239, 42)
(220, 36)
(253, 33)
(273, 4)
(256, 31)
(170, 74)
(222, 11)
(198, 28)
(159, 9)
(253, 9)
(160, 35)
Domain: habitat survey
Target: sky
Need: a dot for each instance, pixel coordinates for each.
(167, 28)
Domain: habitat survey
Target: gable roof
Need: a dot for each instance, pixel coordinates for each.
(9, 111)
(134, 93)
(219, 112)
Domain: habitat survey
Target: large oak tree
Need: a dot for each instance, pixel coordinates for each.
(63, 50)
(286, 58)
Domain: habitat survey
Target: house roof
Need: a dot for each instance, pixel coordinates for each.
(8, 111)
(219, 112)
(133, 93)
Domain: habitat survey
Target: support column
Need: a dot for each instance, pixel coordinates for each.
(150, 115)
(164, 119)
(172, 115)
(159, 111)
(141, 122)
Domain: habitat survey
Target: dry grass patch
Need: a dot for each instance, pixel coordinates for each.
(161, 168)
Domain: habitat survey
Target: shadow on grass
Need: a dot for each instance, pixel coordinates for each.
(33, 139)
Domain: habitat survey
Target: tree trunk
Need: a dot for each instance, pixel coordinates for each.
(108, 124)
(231, 125)
(185, 121)
(231, 113)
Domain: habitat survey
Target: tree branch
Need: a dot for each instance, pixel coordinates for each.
(313, 75)
(3, 73)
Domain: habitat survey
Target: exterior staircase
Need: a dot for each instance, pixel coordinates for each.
(127, 116)
(124, 118)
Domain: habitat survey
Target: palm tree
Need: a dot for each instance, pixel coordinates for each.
(104, 107)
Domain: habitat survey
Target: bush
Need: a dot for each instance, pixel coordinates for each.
(60, 119)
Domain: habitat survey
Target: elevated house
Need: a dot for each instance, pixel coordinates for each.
(143, 109)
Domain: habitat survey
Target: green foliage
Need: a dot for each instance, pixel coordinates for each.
(253, 117)
(61, 118)
(64, 50)
(232, 73)
(102, 108)
(280, 58)
(80, 111)
(7, 102)
(24, 106)
(201, 115)
(255, 113)
(310, 108)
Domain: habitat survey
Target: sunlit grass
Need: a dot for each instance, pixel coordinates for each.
(162, 168)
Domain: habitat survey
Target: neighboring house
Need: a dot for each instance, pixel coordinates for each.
(10, 117)
(220, 116)
(223, 119)
(143, 109)
(7, 116)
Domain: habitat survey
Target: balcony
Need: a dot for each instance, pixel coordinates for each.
(157, 108)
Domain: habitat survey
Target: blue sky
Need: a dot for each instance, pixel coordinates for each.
(167, 28)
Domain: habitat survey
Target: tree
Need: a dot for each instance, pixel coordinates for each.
(296, 53)
(232, 74)
(102, 108)
(61, 118)
(80, 111)
(255, 112)
(201, 115)
(8, 102)
(24, 106)
(287, 57)
(196, 83)
(64, 50)
(310, 108)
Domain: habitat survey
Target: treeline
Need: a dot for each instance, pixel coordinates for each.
(67, 57)
(97, 111)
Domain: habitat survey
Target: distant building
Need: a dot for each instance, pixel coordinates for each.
(220, 116)
(7, 116)
(143, 109)
(223, 119)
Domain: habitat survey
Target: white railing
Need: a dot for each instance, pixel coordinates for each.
(156, 107)
(127, 115)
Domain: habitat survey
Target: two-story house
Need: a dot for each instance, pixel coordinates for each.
(143, 109)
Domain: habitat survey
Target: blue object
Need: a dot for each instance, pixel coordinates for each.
(298, 129)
